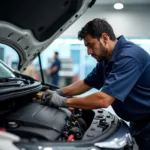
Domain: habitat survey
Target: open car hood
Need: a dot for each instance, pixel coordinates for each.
(30, 26)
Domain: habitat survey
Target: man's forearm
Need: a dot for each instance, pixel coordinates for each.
(76, 88)
(54, 69)
(93, 101)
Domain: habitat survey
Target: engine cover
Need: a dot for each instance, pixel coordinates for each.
(37, 121)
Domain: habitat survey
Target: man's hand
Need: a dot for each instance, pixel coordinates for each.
(48, 72)
(53, 99)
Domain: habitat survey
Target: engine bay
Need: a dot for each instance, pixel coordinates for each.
(23, 113)
(40, 122)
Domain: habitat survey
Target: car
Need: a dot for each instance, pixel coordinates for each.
(26, 123)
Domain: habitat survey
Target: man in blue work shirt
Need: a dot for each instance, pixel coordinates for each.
(122, 73)
(54, 70)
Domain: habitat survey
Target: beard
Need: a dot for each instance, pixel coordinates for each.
(103, 53)
(100, 59)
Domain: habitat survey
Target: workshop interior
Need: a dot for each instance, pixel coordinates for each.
(32, 33)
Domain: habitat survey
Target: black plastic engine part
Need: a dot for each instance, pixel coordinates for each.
(37, 121)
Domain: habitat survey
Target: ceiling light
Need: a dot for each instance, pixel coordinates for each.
(118, 6)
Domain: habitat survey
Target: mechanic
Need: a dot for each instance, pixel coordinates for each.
(122, 74)
(54, 70)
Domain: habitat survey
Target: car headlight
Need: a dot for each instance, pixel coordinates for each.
(116, 143)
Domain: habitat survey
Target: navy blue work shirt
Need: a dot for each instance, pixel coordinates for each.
(57, 63)
(125, 77)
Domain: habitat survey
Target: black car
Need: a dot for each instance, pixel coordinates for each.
(26, 123)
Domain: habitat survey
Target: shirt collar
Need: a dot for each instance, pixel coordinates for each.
(121, 40)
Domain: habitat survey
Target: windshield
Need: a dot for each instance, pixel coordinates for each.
(5, 72)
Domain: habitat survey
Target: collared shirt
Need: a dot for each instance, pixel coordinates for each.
(125, 77)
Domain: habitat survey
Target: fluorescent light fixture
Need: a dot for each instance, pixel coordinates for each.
(118, 6)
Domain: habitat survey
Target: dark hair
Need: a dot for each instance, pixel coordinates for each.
(95, 28)
(56, 53)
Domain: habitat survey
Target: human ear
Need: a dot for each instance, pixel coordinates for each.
(105, 37)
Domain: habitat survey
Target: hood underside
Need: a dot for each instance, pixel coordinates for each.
(30, 26)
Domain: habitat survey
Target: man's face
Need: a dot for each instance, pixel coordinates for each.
(55, 56)
(96, 48)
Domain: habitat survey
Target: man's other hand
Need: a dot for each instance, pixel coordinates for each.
(53, 99)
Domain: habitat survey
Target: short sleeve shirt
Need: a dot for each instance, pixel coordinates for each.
(125, 77)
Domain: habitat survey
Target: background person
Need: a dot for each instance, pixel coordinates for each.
(54, 69)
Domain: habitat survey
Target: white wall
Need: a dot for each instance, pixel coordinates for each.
(132, 21)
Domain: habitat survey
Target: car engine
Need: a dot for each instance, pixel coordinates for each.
(41, 122)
